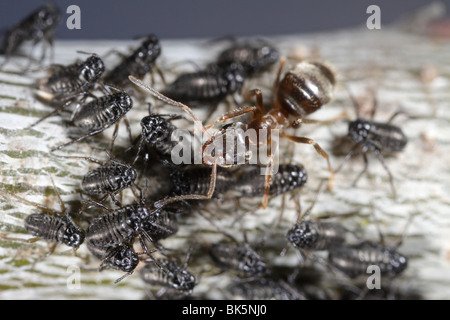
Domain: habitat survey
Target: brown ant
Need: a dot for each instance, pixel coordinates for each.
(303, 90)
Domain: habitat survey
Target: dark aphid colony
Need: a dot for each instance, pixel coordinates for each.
(138, 211)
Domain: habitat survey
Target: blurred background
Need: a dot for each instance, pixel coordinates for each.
(119, 19)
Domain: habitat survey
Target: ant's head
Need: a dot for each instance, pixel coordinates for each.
(303, 235)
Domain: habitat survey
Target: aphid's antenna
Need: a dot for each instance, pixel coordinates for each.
(88, 53)
(167, 100)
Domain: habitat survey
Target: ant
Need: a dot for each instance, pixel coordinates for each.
(303, 90)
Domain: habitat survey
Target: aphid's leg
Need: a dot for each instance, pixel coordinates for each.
(54, 112)
(128, 127)
(377, 225)
(31, 240)
(212, 186)
(61, 203)
(161, 75)
(320, 151)
(347, 157)
(113, 198)
(114, 136)
(366, 164)
(277, 79)
(34, 204)
(391, 178)
(232, 114)
(90, 134)
(84, 158)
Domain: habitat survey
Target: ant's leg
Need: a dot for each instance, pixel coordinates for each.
(391, 179)
(267, 181)
(212, 186)
(319, 150)
(259, 100)
(366, 164)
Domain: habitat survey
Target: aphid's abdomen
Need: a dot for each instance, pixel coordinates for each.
(46, 226)
(388, 137)
(108, 179)
(200, 87)
(239, 258)
(251, 183)
(263, 289)
(196, 180)
(103, 112)
(354, 260)
(168, 275)
(114, 227)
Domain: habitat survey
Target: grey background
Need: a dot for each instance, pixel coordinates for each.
(120, 19)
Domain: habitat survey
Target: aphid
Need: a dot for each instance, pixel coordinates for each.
(206, 87)
(161, 225)
(158, 134)
(316, 235)
(254, 56)
(354, 260)
(57, 227)
(263, 288)
(99, 114)
(119, 226)
(123, 257)
(302, 91)
(238, 257)
(377, 137)
(140, 62)
(110, 236)
(64, 83)
(251, 183)
(109, 178)
(168, 274)
(38, 26)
